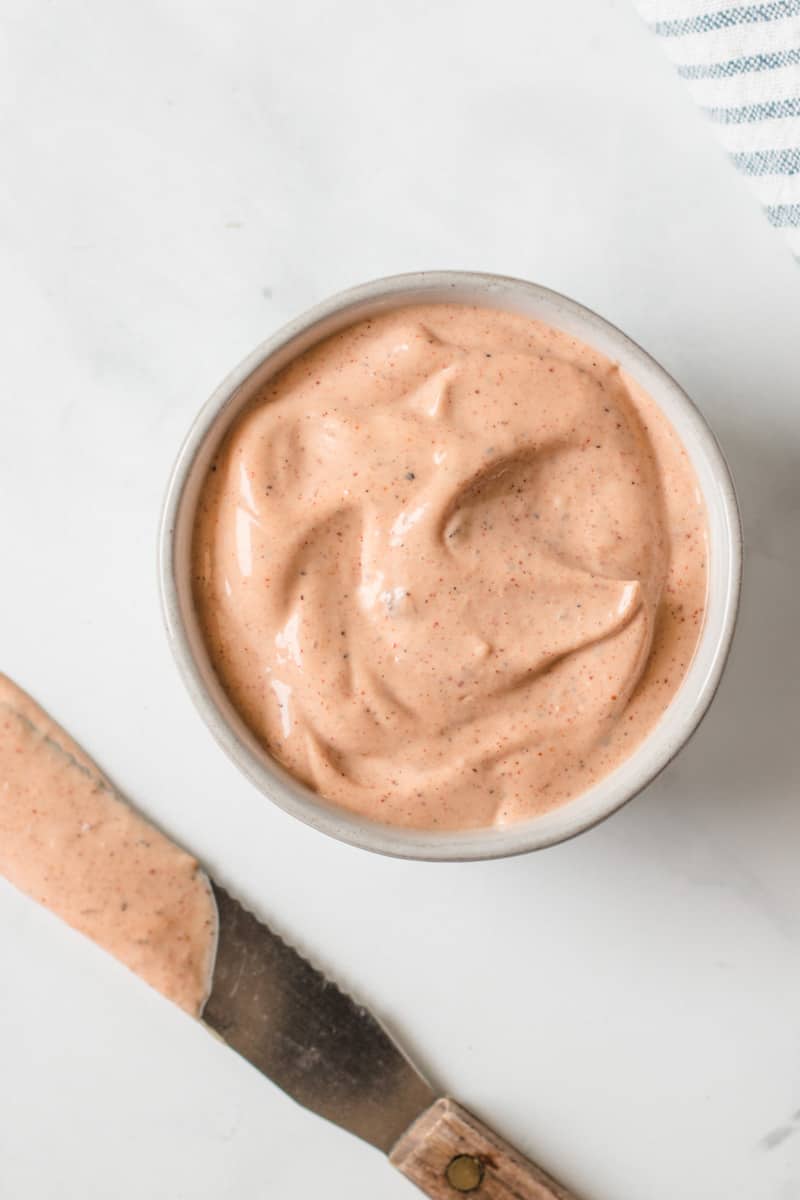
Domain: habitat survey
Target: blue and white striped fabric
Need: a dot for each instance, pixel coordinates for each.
(742, 65)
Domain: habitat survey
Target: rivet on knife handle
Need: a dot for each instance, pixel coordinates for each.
(447, 1152)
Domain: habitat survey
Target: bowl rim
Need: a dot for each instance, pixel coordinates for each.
(524, 836)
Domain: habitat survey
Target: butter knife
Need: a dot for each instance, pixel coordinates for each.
(265, 1000)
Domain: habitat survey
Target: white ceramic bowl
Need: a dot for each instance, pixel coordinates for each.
(725, 564)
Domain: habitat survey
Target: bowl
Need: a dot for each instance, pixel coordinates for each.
(679, 720)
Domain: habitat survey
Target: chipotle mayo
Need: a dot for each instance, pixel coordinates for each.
(69, 841)
(450, 567)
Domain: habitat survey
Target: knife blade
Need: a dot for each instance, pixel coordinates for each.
(331, 1055)
(64, 827)
(296, 1026)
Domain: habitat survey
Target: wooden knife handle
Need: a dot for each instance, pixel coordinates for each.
(449, 1153)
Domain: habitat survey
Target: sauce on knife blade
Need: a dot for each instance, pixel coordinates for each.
(69, 841)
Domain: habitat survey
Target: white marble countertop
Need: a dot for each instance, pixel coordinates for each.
(181, 179)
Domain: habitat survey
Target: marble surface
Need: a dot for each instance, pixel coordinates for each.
(182, 178)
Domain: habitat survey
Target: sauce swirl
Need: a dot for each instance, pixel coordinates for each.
(450, 566)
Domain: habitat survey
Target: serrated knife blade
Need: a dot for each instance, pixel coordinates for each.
(328, 1052)
(334, 1057)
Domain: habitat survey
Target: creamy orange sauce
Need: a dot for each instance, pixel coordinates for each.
(69, 841)
(450, 567)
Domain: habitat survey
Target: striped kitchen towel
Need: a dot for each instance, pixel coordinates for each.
(742, 65)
